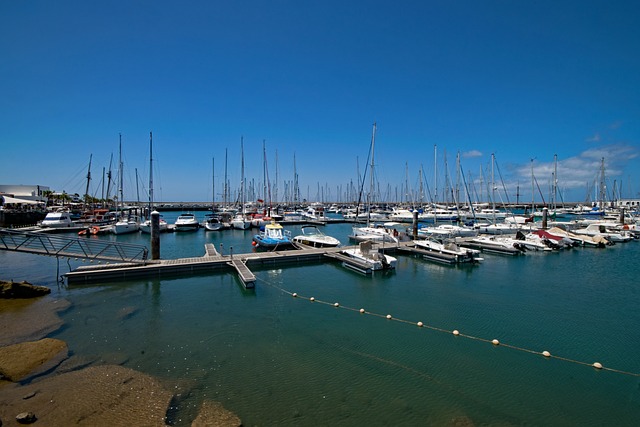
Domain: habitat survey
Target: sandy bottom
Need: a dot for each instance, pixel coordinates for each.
(76, 393)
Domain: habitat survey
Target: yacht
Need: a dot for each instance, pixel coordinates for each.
(57, 220)
(187, 222)
(312, 236)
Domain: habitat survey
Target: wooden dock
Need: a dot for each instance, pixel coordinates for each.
(212, 261)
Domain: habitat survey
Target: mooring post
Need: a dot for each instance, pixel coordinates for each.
(545, 215)
(155, 235)
(221, 249)
(622, 216)
(231, 251)
(415, 224)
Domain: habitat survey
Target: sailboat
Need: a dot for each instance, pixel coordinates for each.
(145, 226)
(128, 224)
(240, 221)
(369, 233)
(212, 221)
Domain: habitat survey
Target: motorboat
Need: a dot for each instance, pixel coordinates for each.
(312, 236)
(610, 231)
(57, 220)
(447, 231)
(213, 223)
(240, 222)
(273, 237)
(379, 234)
(186, 222)
(448, 251)
(581, 240)
(365, 260)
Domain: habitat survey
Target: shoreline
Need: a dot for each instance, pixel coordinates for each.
(38, 376)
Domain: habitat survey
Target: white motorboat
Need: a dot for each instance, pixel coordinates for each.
(448, 251)
(443, 231)
(57, 220)
(215, 223)
(366, 260)
(186, 222)
(312, 236)
(240, 222)
(610, 231)
(378, 234)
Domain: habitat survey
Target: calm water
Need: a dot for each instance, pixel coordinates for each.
(278, 360)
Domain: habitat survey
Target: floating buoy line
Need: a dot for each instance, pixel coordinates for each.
(495, 342)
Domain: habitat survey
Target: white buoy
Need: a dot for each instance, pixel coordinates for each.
(294, 295)
(336, 304)
(362, 310)
(495, 342)
(597, 365)
(312, 299)
(546, 353)
(388, 316)
(456, 332)
(420, 324)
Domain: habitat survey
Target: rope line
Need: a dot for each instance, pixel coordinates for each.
(454, 332)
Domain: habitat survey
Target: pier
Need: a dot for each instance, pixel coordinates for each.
(212, 261)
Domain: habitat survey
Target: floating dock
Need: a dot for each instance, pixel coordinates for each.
(212, 261)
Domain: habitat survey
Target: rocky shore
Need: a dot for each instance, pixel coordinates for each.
(41, 384)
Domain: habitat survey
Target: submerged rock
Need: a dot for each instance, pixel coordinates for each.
(213, 414)
(21, 290)
(28, 359)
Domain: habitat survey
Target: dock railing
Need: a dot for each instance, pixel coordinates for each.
(71, 247)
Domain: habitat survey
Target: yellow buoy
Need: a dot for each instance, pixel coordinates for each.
(456, 332)
(597, 365)
(546, 353)
(362, 310)
(420, 324)
(388, 316)
(495, 342)
(294, 295)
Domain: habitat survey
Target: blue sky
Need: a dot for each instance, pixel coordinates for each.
(522, 80)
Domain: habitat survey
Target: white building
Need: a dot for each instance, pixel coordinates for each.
(25, 192)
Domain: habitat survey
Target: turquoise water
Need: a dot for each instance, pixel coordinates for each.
(278, 360)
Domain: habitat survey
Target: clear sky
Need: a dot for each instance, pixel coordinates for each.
(523, 80)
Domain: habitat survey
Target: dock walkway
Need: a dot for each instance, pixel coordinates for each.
(210, 262)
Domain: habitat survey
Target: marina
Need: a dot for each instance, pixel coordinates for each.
(423, 332)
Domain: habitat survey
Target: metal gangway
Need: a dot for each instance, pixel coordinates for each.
(71, 247)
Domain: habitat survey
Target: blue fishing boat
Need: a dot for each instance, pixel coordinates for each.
(273, 236)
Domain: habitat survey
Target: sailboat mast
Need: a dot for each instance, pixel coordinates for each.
(150, 172)
(242, 172)
(435, 173)
(213, 184)
(226, 184)
(120, 174)
(86, 191)
(371, 175)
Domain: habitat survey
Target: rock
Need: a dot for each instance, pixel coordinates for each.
(29, 319)
(21, 290)
(213, 414)
(26, 418)
(96, 396)
(24, 360)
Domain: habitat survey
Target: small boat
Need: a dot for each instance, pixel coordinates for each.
(366, 260)
(312, 236)
(215, 223)
(273, 237)
(379, 234)
(57, 220)
(448, 251)
(186, 222)
(240, 222)
(145, 226)
(125, 225)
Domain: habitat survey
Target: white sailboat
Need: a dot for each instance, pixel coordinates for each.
(145, 226)
(240, 221)
(128, 224)
(369, 233)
